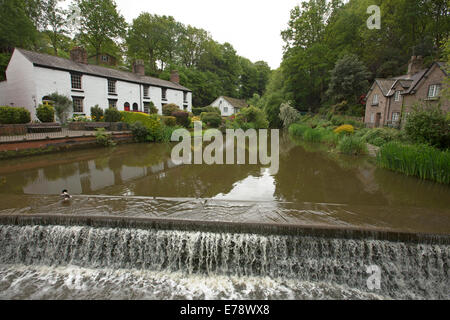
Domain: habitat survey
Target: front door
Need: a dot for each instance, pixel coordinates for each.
(377, 120)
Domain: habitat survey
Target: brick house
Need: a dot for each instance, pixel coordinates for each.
(389, 99)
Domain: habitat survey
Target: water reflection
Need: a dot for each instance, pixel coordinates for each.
(308, 174)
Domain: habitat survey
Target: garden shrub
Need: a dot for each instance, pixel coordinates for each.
(112, 115)
(168, 109)
(140, 132)
(380, 136)
(153, 109)
(346, 129)
(14, 115)
(199, 111)
(312, 135)
(211, 119)
(252, 117)
(428, 125)
(298, 129)
(45, 113)
(182, 118)
(150, 122)
(288, 115)
(169, 121)
(166, 133)
(97, 113)
(103, 138)
(352, 145)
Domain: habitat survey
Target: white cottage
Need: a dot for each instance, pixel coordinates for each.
(32, 76)
(229, 106)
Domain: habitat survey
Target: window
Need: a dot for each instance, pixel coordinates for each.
(225, 109)
(164, 94)
(395, 116)
(397, 96)
(147, 107)
(135, 107)
(105, 58)
(111, 86)
(375, 100)
(372, 117)
(77, 104)
(76, 81)
(433, 91)
(112, 103)
(146, 89)
(185, 97)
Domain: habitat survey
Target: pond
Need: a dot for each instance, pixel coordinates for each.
(312, 186)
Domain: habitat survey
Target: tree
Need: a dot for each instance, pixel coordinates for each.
(288, 115)
(99, 22)
(55, 22)
(349, 79)
(62, 105)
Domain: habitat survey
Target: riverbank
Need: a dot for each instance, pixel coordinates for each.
(43, 143)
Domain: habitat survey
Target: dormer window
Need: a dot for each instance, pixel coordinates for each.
(76, 81)
(397, 95)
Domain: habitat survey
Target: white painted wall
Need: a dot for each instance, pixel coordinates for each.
(19, 90)
(27, 84)
(225, 107)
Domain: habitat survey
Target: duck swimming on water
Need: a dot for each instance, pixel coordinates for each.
(65, 195)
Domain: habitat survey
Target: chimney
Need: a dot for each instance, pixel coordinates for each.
(415, 65)
(174, 76)
(139, 67)
(78, 54)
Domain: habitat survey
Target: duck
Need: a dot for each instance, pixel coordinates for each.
(65, 195)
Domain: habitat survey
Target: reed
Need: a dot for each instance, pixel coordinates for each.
(298, 129)
(352, 145)
(421, 161)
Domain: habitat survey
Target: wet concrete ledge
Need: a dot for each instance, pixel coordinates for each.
(320, 231)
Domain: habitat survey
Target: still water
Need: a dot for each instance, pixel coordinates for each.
(312, 187)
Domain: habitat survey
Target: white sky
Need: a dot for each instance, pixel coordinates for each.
(251, 26)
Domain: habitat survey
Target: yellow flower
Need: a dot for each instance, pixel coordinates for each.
(345, 128)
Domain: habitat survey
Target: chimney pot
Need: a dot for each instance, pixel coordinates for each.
(174, 76)
(415, 65)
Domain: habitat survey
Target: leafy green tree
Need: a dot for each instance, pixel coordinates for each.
(54, 18)
(349, 79)
(62, 105)
(100, 21)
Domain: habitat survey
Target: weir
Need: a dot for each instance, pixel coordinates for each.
(412, 265)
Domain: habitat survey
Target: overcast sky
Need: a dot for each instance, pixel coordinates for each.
(252, 26)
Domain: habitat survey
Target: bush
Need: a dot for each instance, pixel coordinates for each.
(252, 117)
(14, 115)
(312, 135)
(288, 115)
(104, 138)
(166, 133)
(140, 132)
(346, 129)
(380, 136)
(428, 125)
(153, 109)
(168, 109)
(169, 121)
(150, 122)
(97, 113)
(62, 105)
(182, 118)
(112, 115)
(298, 129)
(199, 111)
(421, 161)
(45, 113)
(352, 145)
(211, 119)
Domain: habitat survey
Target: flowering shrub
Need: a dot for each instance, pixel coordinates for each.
(182, 118)
(169, 121)
(346, 128)
(80, 118)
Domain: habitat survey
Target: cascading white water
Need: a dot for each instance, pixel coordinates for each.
(408, 270)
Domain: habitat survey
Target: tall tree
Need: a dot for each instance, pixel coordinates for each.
(54, 18)
(100, 21)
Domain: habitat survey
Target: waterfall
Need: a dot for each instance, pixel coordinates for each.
(411, 266)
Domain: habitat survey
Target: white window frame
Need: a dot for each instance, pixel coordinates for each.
(375, 100)
(395, 116)
(112, 86)
(225, 109)
(372, 117)
(164, 94)
(397, 96)
(146, 91)
(81, 104)
(433, 91)
(74, 81)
